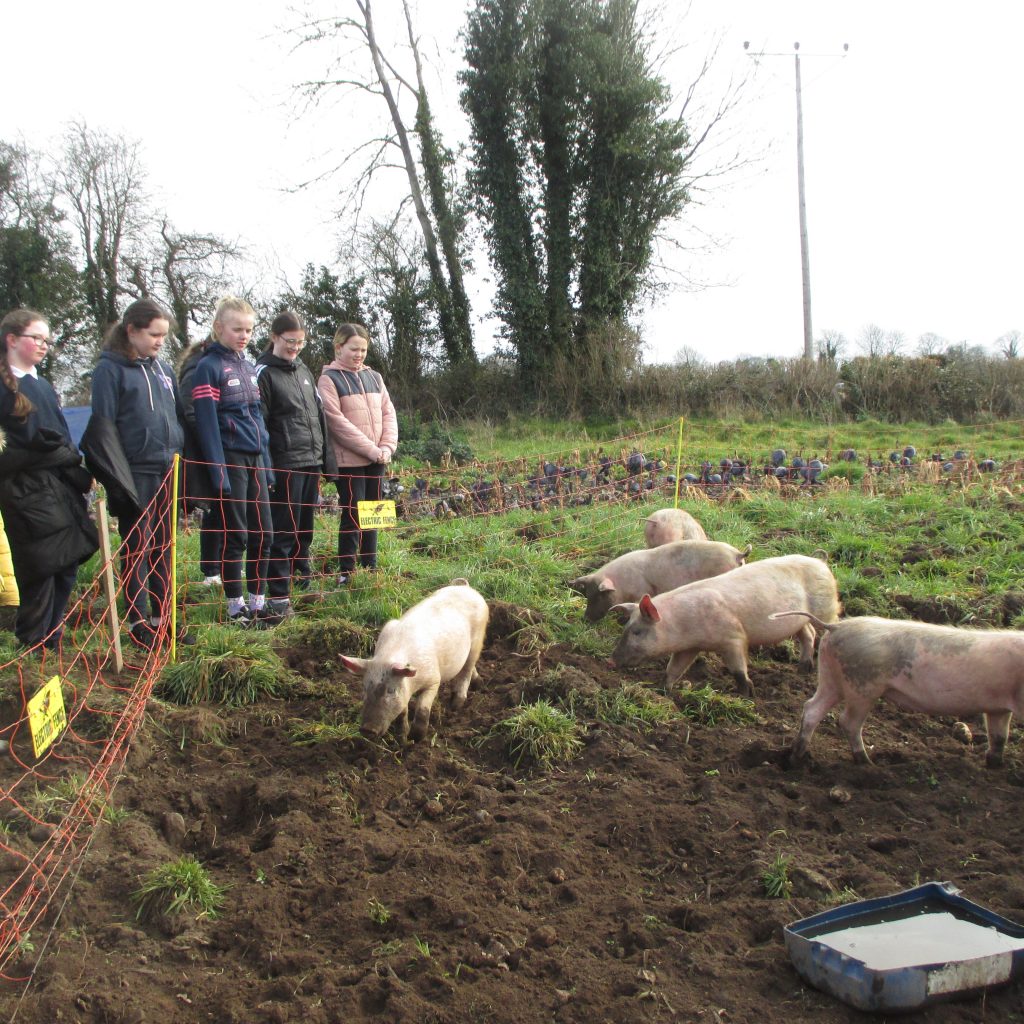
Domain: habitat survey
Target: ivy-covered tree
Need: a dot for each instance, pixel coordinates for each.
(578, 163)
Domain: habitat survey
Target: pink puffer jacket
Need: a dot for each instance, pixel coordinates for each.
(361, 420)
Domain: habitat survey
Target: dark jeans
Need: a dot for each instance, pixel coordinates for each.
(146, 550)
(211, 540)
(43, 604)
(247, 524)
(355, 484)
(292, 505)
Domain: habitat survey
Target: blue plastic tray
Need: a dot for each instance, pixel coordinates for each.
(907, 987)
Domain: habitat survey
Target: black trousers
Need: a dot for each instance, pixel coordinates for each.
(42, 608)
(355, 484)
(247, 524)
(146, 549)
(292, 507)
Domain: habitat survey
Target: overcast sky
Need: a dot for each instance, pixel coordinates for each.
(913, 151)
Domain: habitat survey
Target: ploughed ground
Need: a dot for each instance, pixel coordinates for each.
(624, 886)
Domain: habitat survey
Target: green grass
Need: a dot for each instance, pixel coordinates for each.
(331, 728)
(636, 706)
(540, 732)
(226, 666)
(707, 706)
(775, 878)
(175, 887)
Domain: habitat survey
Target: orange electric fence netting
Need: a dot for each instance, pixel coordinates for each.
(51, 804)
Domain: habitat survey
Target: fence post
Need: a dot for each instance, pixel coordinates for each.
(108, 581)
(679, 459)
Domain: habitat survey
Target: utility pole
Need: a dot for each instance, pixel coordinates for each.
(805, 256)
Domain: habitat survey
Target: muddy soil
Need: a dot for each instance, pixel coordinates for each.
(443, 884)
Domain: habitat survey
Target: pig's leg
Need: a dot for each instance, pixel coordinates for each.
(824, 700)
(806, 637)
(460, 684)
(998, 727)
(851, 721)
(678, 665)
(734, 654)
(401, 725)
(423, 702)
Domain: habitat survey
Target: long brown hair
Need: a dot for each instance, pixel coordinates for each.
(141, 313)
(16, 322)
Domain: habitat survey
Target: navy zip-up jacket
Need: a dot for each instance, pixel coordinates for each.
(226, 400)
(140, 397)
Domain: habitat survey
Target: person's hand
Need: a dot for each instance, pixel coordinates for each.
(220, 481)
(385, 456)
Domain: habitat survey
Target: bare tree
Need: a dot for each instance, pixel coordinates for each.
(1008, 344)
(930, 344)
(877, 344)
(102, 179)
(431, 197)
(831, 345)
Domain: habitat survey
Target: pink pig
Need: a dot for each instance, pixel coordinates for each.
(940, 670)
(653, 571)
(729, 614)
(436, 641)
(669, 524)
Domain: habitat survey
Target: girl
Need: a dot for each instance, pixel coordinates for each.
(42, 484)
(363, 428)
(198, 490)
(294, 415)
(233, 439)
(137, 394)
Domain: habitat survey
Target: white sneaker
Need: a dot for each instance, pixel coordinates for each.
(213, 581)
(342, 580)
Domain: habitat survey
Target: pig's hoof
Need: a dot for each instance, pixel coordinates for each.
(993, 760)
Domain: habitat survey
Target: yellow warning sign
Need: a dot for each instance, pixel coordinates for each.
(377, 515)
(46, 715)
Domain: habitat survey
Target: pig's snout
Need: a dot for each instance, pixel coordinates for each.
(370, 732)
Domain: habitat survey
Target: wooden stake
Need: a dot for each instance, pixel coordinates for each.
(108, 581)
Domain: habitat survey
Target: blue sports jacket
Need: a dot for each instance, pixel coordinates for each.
(226, 399)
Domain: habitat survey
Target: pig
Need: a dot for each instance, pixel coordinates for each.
(728, 614)
(653, 571)
(940, 670)
(436, 641)
(669, 524)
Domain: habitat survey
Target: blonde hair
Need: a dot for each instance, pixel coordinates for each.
(230, 304)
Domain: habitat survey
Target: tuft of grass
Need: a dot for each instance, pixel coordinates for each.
(636, 706)
(227, 666)
(709, 707)
(329, 728)
(56, 799)
(541, 732)
(422, 947)
(377, 912)
(181, 885)
(775, 878)
(115, 815)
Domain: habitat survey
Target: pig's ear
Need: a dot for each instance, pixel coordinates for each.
(622, 611)
(579, 584)
(403, 670)
(605, 585)
(647, 609)
(357, 666)
(746, 551)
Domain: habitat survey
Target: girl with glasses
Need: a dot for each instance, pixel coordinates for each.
(42, 484)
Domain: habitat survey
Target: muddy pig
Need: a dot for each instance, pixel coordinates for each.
(653, 571)
(728, 615)
(940, 670)
(436, 641)
(669, 524)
